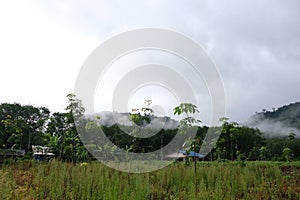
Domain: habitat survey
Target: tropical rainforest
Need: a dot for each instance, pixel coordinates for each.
(22, 126)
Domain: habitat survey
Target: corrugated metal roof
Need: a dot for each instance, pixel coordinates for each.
(183, 153)
(192, 154)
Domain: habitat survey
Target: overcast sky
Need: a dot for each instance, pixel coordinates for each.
(255, 45)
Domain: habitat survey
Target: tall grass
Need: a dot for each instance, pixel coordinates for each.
(233, 180)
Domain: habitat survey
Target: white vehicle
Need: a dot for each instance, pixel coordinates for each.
(42, 153)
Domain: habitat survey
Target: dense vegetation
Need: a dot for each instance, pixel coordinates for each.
(23, 126)
(231, 173)
(215, 180)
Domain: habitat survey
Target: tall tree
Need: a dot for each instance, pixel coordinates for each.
(62, 128)
(22, 126)
(185, 125)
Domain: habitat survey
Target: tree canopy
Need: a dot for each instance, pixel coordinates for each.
(22, 126)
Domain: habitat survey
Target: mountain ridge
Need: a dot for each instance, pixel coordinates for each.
(278, 122)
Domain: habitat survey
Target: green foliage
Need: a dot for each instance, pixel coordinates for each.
(292, 135)
(144, 117)
(75, 106)
(237, 141)
(23, 126)
(263, 153)
(287, 153)
(63, 136)
(92, 180)
(131, 143)
(187, 109)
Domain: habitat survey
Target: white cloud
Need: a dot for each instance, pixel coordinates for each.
(39, 60)
(255, 45)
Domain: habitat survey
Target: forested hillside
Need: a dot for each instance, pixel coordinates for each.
(278, 122)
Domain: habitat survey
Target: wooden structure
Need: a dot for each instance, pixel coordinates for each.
(42, 153)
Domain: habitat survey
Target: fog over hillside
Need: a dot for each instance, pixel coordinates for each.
(279, 122)
(108, 118)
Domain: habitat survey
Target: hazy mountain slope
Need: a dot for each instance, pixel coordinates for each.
(108, 118)
(278, 122)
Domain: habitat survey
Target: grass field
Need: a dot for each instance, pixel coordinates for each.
(231, 180)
